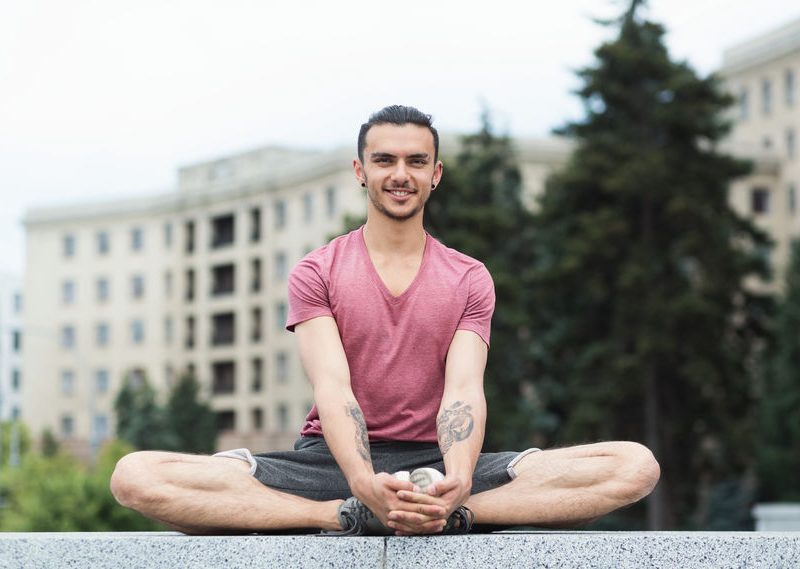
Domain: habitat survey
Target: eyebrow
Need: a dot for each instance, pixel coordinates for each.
(423, 155)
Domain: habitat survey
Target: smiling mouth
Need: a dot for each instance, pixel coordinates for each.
(400, 193)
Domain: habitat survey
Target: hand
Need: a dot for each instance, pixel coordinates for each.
(380, 493)
(416, 516)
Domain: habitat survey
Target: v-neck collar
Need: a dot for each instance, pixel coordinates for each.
(376, 277)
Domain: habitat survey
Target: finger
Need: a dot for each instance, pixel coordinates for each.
(430, 510)
(419, 498)
(414, 517)
(443, 486)
(431, 527)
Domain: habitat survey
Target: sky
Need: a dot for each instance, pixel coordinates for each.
(102, 99)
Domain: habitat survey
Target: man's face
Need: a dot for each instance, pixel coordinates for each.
(399, 169)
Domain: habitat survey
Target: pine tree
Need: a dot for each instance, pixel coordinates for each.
(778, 440)
(646, 330)
(191, 421)
(140, 419)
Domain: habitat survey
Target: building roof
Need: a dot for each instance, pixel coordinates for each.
(762, 49)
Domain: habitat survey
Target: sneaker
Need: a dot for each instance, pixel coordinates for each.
(356, 519)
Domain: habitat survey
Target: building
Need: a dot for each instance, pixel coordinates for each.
(11, 343)
(763, 74)
(190, 281)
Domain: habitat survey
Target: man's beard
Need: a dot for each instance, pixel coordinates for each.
(391, 215)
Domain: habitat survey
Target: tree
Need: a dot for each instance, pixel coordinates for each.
(192, 422)
(646, 330)
(140, 420)
(778, 434)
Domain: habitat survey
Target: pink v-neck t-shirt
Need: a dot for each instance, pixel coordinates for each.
(396, 346)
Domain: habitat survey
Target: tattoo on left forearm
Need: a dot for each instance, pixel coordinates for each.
(454, 424)
(362, 436)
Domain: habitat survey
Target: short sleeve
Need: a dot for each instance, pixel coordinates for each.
(308, 292)
(477, 315)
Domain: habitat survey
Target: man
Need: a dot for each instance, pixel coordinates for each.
(393, 331)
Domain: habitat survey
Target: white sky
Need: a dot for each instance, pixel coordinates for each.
(104, 98)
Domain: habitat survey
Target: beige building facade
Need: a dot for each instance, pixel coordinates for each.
(763, 74)
(191, 281)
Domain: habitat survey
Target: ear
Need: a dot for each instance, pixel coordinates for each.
(358, 168)
(437, 174)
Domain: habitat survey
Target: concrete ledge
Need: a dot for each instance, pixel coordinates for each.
(508, 549)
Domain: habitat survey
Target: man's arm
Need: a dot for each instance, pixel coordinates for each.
(460, 426)
(343, 423)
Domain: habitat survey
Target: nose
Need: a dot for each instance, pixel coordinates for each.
(400, 174)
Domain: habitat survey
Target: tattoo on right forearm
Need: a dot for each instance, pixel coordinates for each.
(454, 424)
(362, 437)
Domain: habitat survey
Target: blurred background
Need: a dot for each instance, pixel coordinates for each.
(627, 170)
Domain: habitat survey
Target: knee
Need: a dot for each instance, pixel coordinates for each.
(129, 482)
(639, 471)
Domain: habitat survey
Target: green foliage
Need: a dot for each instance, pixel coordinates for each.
(191, 422)
(57, 493)
(646, 331)
(13, 434)
(778, 434)
(185, 424)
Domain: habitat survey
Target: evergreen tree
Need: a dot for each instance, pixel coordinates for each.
(191, 421)
(140, 420)
(646, 330)
(778, 440)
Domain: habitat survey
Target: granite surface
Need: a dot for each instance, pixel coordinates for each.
(519, 550)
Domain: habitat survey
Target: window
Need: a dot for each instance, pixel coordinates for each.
(168, 284)
(168, 331)
(255, 275)
(68, 337)
(67, 382)
(255, 317)
(789, 88)
(223, 279)
(308, 207)
(189, 284)
(283, 418)
(135, 378)
(226, 421)
(169, 376)
(790, 143)
(137, 331)
(103, 244)
(258, 375)
(744, 104)
(258, 419)
(330, 201)
(102, 334)
(189, 332)
(281, 266)
(759, 200)
(137, 239)
(102, 289)
(101, 381)
(279, 212)
(15, 413)
(281, 367)
(67, 426)
(223, 329)
(16, 380)
(222, 231)
(168, 235)
(189, 236)
(68, 244)
(255, 225)
(17, 303)
(766, 96)
(16, 341)
(137, 286)
(100, 427)
(68, 292)
(280, 315)
(766, 143)
(223, 377)
(791, 198)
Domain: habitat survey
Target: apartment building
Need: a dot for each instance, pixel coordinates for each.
(11, 343)
(764, 76)
(190, 281)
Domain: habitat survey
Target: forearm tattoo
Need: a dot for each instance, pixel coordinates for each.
(454, 424)
(362, 438)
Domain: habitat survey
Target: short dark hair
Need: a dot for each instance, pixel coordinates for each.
(399, 115)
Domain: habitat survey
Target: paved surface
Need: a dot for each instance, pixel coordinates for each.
(776, 550)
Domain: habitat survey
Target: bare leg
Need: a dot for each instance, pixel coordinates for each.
(569, 486)
(207, 494)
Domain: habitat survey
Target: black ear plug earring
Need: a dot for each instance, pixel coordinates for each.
(363, 184)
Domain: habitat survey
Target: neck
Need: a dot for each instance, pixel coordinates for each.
(387, 236)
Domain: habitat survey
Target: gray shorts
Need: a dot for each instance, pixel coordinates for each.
(310, 471)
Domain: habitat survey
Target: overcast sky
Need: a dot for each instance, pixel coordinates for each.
(103, 98)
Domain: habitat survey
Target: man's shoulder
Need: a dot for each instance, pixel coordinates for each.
(324, 256)
(455, 258)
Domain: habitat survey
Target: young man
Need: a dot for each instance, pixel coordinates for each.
(393, 330)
